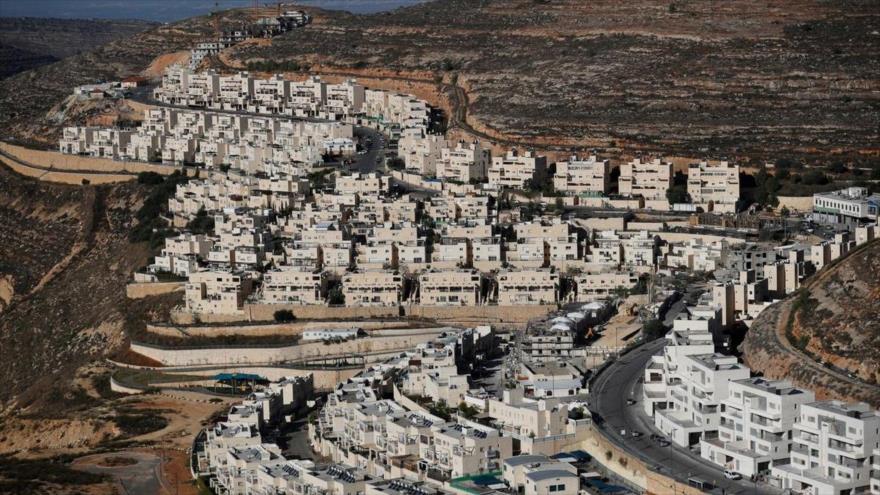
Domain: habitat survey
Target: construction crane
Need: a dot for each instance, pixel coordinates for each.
(215, 19)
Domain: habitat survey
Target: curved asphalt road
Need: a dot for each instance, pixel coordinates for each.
(609, 392)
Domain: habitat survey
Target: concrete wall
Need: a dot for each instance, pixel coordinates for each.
(59, 161)
(266, 312)
(376, 347)
(294, 328)
(489, 314)
(146, 289)
(631, 468)
(122, 389)
(796, 203)
(73, 178)
(706, 238)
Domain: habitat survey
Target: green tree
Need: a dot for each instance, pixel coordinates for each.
(678, 194)
(284, 316)
(335, 296)
(653, 330)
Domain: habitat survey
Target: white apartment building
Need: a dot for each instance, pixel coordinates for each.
(372, 288)
(850, 206)
(528, 419)
(217, 292)
(650, 179)
(235, 91)
(698, 386)
(307, 97)
(602, 285)
(832, 446)
(714, 187)
(539, 475)
(756, 423)
(358, 183)
(515, 170)
(465, 163)
(421, 153)
(450, 288)
(582, 176)
(660, 374)
(536, 286)
(290, 285)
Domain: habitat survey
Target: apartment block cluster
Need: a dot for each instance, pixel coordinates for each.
(642, 183)
(241, 143)
(313, 97)
(270, 245)
(753, 275)
(753, 425)
(381, 422)
(377, 434)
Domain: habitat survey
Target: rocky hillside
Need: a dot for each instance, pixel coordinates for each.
(827, 335)
(67, 255)
(28, 42)
(743, 77)
(27, 98)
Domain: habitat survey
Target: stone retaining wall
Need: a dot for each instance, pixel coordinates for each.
(209, 356)
(145, 289)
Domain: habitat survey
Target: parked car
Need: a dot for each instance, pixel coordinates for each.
(732, 475)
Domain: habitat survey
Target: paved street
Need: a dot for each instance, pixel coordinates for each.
(609, 393)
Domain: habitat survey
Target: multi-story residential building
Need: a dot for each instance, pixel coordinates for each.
(528, 419)
(695, 255)
(587, 176)
(465, 163)
(344, 98)
(540, 475)
(223, 436)
(450, 288)
(660, 374)
(650, 180)
(714, 187)
(549, 344)
(421, 153)
(270, 95)
(832, 446)
(602, 285)
(851, 206)
(235, 91)
(457, 450)
(358, 183)
(756, 423)
(516, 170)
(698, 387)
(452, 253)
(372, 288)
(290, 285)
(217, 292)
(307, 97)
(537, 286)
(182, 253)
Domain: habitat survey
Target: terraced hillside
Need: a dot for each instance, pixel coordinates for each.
(698, 77)
(29, 42)
(827, 335)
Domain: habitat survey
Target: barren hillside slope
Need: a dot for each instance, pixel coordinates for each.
(702, 77)
(28, 42)
(831, 325)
